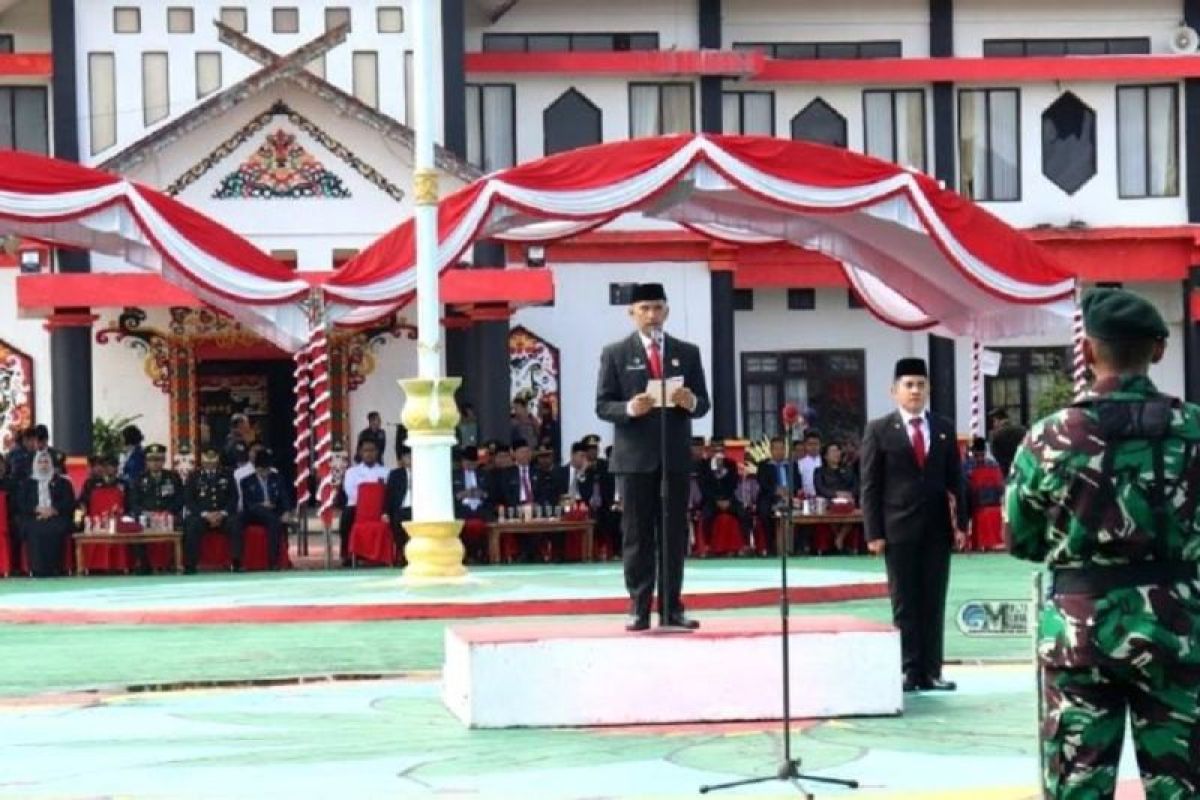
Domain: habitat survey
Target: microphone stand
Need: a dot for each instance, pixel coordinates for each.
(666, 611)
(789, 768)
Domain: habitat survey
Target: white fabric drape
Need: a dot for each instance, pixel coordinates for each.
(1004, 132)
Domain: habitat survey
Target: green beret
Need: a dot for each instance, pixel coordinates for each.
(1115, 314)
(156, 450)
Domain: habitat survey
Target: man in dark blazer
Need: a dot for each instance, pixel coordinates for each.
(911, 484)
(265, 501)
(397, 504)
(626, 367)
(776, 482)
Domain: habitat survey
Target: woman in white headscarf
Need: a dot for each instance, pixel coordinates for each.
(45, 502)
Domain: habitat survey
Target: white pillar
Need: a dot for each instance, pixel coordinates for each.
(429, 332)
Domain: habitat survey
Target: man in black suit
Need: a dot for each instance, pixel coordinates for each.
(719, 492)
(626, 367)
(265, 501)
(397, 505)
(472, 503)
(776, 482)
(911, 483)
(575, 479)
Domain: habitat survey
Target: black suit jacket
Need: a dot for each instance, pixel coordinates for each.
(458, 482)
(768, 483)
(624, 374)
(506, 486)
(397, 488)
(62, 498)
(277, 493)
(901, 503)
(562, 482)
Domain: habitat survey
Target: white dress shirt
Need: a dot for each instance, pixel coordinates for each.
(662, 359)
(471, 481)
(908, 427)
(359, 474)
(808, 469)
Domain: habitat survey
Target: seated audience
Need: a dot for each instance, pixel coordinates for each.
(366, 469)
(45, 503)
(398, 504)
(985, 494)
(211, 500)
(265, 502)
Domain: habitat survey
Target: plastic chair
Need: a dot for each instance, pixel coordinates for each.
(371, 537)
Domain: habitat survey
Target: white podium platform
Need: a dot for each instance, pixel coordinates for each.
(577, 674)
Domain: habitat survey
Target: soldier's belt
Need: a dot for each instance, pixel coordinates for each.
(1099, 580)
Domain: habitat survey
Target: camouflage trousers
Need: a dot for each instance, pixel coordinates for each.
(1084, 728)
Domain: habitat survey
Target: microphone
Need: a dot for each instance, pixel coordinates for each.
(790, 415)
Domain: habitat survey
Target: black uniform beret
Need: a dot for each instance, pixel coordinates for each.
(648, 293)
(909, 367)
(1115, 314)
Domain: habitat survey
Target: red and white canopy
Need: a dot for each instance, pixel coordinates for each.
(920, 256)
(70, 205)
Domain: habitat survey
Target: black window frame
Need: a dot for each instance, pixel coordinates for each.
(659, 85)
(1095, 142)
(988, 91)
(741, 96)
(1107, 46)
(743, 299)
(1179, 133)
(622, 41)
(13, 91)
(1022, 373)
(824, 51)
(924, 165)
(620, 293)
(779, 377)
(801, 299)
(545, 127)
(8, 43)
(512, 87)
(854, 299)
(845, 145)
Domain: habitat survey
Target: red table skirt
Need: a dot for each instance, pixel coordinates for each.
(372, 541)
(214, 550)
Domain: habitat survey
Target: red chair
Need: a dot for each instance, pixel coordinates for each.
(254, 549)
(5, 544)
(214, 551)
(724, 535)
(987, 529)
(371, 537)
(105, 556)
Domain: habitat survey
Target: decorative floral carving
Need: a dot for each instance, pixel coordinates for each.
(153, 344)
(534, 369)
(16, 394)
(226, 148)
(360, 345)
(206, 323)
(281, 169)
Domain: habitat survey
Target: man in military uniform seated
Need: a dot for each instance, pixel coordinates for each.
(158, 491)
(1106, 493)
(265, 501)
(211, 500)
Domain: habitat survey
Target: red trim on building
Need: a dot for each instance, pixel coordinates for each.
(638, 62)
(26, 65)
(756, 67)
(69, 319)
(518, 287)
(1124, 254)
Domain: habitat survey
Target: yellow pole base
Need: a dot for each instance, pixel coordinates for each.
(434, 553)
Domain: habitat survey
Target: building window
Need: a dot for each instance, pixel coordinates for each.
(570, 121)
(1147, 141)
(180, 20)
(854, 299)
(127, 19)
(819, 122)
(156, 88)
(491, 126)
(748, 113)
(341, 255)
(1026, 373)
(6, 43)
(565, 42)
(288, 258)
(366, 77)
(337, 16)
(824, 50)
(801, 299)
(620, 294)
(23, 119)
(1018, 48)
(208, 73)
(390, 19)
(102, 101)
(408, 87)
(656, 109)
(234, 18)
(894, 126)
(829, 383)
(285, 20)
(989, 133)
(1069, 143)
(743, 299)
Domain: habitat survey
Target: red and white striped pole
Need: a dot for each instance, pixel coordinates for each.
(1079, 367)
(322, 421)
(303, 425)
(976, 387)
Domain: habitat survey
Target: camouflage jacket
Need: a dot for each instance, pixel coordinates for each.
(1072, 503)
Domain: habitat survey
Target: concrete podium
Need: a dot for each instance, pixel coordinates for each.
(594, 673)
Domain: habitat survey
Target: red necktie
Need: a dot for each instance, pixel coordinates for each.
(655, 361)
(918, 441)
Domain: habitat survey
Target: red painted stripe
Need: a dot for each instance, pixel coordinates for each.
(638, 62)
(400, 611)
(38, 65)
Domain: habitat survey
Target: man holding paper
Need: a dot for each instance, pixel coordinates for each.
(635, 374)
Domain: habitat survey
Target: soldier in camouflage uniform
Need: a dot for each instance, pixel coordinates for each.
(1107, 493)
(211, 500)
(157, 490)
